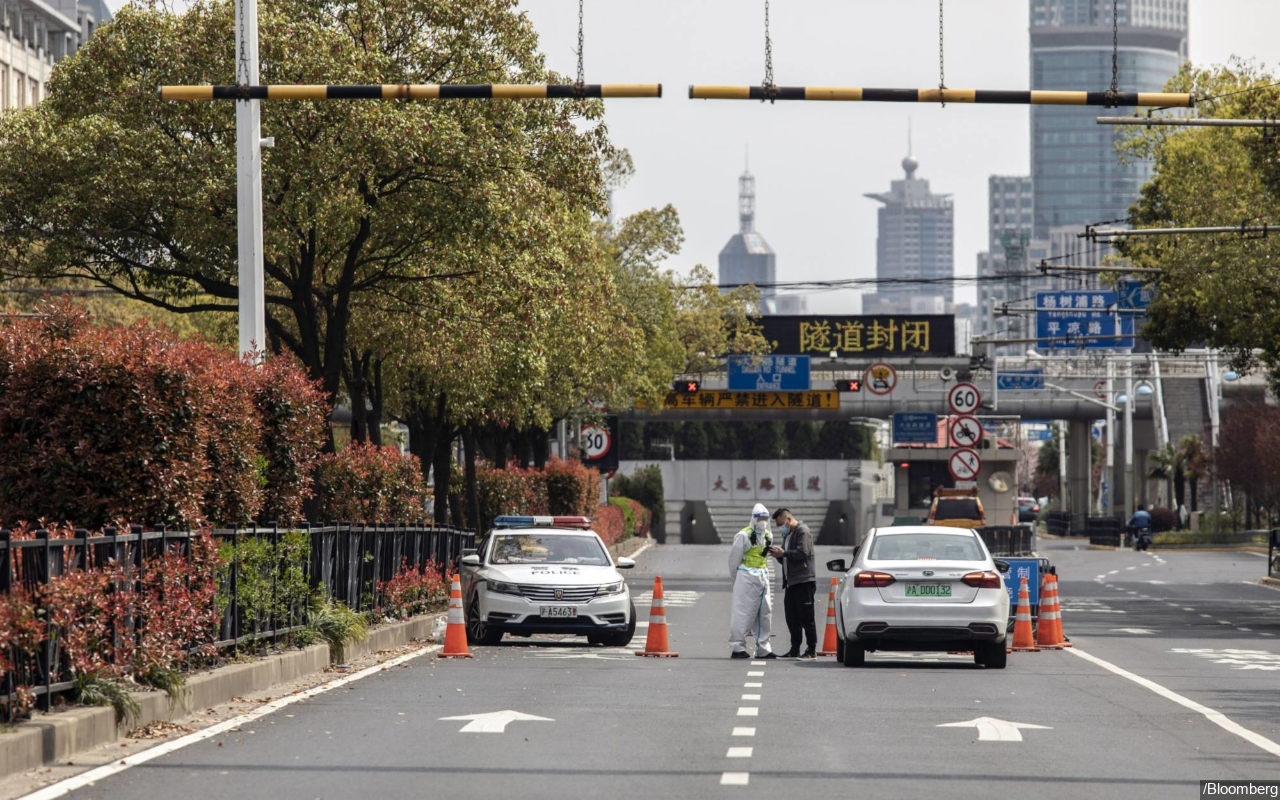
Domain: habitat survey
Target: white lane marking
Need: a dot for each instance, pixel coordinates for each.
(739, 752)
(1114, 571)
(670, 599)
(757, 663)
(752, 685)
(1216, 717)
(1188, 608)
(748, 711)
(1134, 631)
(94, 775)
(1156, 583)
(1129, 568)
(1207, 616)
(1224, 622)
(755, 673)
(1265, 633)
(735, 778)
(1235, 657)
(1171, 605)
(744, 732)
(751, 697)
(494, 721)
(991, 729)
(1246, 630)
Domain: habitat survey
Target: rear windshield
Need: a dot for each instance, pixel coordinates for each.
(940, 546)
(957, 508)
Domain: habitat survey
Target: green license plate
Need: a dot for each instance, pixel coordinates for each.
(928, 590)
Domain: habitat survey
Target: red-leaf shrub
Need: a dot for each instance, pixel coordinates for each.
(292, 409)
(98, 423)
(572, 487)
(609, 523)
(89, 611)
(511, 491)
(21, 632)
(643, 517)
(365, 482)
(411, 590)
(178, 615)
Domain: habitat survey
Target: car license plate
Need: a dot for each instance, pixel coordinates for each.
(928, 590)
(558, 612)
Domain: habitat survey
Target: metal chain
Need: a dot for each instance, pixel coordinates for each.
(581, 72)
(942, 74)
(768, 85)
(1113, 94)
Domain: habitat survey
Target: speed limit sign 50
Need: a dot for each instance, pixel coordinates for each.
(964, 398)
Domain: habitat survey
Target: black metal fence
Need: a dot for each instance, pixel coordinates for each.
(1008, 540)
(281, 568)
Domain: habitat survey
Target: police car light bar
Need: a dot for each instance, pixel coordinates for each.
(542, 522)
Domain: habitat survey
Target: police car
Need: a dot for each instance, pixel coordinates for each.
(545, 574)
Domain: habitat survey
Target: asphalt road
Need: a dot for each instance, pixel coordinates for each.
(1164, 644)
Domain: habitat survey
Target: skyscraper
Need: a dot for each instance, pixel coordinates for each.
(1076, 176)
(913, 241)
(747, 257)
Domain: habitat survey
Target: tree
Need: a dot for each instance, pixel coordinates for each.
(1220, 291)
(103, 181)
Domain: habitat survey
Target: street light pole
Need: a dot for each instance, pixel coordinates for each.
(252, 326)
(1128, 439)
(1110, 474)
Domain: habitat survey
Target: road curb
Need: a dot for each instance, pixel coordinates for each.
(1272, 582)
(48, 738)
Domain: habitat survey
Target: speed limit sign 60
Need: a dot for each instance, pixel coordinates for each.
(595, 441)
(964, 398)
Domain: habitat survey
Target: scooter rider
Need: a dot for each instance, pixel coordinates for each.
(752, 594)
(1140, 528)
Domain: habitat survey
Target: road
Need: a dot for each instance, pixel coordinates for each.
(1165, 643)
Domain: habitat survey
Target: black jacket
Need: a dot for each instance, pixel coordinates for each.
(797, 556)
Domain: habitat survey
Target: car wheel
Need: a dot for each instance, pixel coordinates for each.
(621, 639)
(839, 649)
(477, 631)
(855, 655)
(992, 655)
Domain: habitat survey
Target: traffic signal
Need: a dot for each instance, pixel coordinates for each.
(849, 385)
(686, 387)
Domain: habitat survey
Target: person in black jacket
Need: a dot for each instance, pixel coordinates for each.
(798, 581)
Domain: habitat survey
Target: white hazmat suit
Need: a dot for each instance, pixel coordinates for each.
(752, 594)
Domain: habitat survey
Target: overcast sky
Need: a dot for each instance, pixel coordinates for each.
(814, 161)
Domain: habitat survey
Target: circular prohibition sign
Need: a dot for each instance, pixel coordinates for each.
(965, 464)
(595, 440)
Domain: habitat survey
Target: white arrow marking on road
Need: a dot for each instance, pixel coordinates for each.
(494, 721)
(1134, 631)
(991, 729)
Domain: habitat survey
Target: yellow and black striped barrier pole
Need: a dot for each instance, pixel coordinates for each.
(1024, 97)
(409, 91)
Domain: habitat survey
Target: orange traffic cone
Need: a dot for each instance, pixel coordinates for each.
(1049, 629)
(829, 636)
(655, 644)
(455, 635)
(1057, 617)
(1023, 641)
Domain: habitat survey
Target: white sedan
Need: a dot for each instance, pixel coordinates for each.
(546, 575)
(921, 588)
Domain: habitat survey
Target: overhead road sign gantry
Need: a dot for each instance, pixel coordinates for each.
(936, 95)
(411, 91)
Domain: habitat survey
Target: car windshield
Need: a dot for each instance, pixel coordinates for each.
(957, 508)
(547, 548)
(932, 546)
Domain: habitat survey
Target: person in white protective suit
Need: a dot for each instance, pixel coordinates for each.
(752, 594)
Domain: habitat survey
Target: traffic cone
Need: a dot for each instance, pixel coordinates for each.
(1049, 628)
(1023, 641)
(829, 636)
(655, 645)
(455, 634)
(1057, 619)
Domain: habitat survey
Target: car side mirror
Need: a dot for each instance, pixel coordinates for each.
(837, 565)
(470, 560)
(1001, 565)
(625, 563)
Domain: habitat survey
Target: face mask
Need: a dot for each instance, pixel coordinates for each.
(784, 529)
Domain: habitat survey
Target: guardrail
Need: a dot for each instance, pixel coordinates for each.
(1008, 540)
(342, 562)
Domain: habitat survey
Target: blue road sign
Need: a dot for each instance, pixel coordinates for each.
(915, 427)
(768, 373)
(1134, 293)
(1023, 379)
(1040, 434)
(1018, 569)
(1074, 319)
